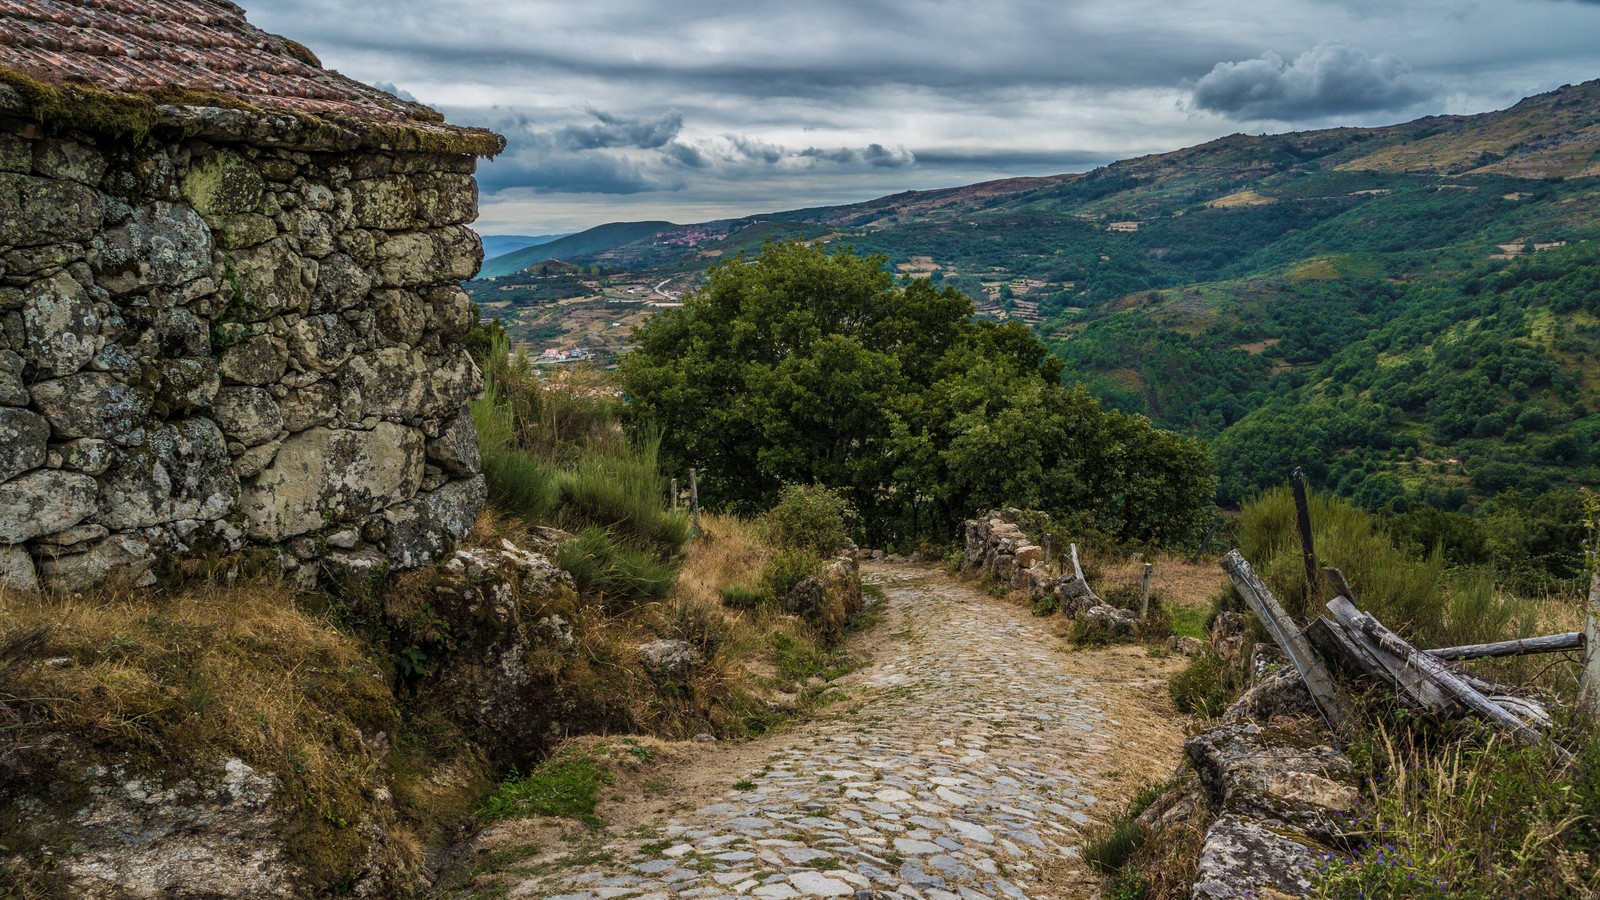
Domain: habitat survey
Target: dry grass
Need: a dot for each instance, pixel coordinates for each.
(172, 683)
(729, 552)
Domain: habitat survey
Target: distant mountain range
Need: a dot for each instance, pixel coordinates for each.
(570, 247)
(500, 244)
(1260, 290)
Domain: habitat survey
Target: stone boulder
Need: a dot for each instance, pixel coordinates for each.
(183, 472)
(493, 627)
(1286, 778)
(92, 405)
(1242, 859)
(24, 441)
(61, 325)
(672, 660)
(398, 382)
(425, 528)
(44, 502)
(163, 244)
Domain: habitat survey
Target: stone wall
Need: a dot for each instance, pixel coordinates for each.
(996, 544)
(205, 345)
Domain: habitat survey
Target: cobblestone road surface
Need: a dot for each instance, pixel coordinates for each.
(966, 774)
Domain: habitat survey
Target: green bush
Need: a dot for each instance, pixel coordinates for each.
(520, 485)
(1206, 686)
(786, 570)
(1420, 598)
(613, 573)
(811, 518)
(566, 786)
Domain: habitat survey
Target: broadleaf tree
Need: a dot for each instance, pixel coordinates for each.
(803, 366)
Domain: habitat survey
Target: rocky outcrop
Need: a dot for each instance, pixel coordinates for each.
(828, 601)
(210, 344)
(1269, 791)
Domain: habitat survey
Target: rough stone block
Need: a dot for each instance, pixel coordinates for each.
(24, 440)
(324, 475)
(92, 405)
(44, 502)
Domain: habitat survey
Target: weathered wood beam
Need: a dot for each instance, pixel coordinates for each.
(1554, 643)
(1589, 689)
(1313, 671)
(1422, 667)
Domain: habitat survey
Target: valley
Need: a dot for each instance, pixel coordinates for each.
(1229, 289)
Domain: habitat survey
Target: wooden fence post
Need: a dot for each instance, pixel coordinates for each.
(674, 495)
(1590, 689)
(1215, 524)
(1302, 509)
(1144, 593)
(1284, 630)
(694, 498)
(1047, 551)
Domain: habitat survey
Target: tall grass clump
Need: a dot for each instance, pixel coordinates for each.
(1477, 817)
(519, 483)
(554, 454)
(613, 573)
(1418, 597)
(623, 491)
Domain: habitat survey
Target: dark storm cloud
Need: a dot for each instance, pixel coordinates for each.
(619, 109)
(617, 154)
(1328, 79)
(620, 131)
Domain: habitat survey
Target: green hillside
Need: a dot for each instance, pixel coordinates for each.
(1406, 311)
(595, 240)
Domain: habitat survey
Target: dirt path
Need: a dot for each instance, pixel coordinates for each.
(963, 765)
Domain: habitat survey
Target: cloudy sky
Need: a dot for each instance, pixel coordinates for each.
(697, 109)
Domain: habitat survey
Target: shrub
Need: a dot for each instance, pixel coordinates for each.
(1471, 818)
(1206, 686)
(567, 786)
(738, 596)
(1417, 597)
(787, 570)
(811, 518)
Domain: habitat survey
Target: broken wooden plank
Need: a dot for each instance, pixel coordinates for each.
(1412, 684)
(1553, 643)
(1359, 657)
(1418, 667)
(1313, 671)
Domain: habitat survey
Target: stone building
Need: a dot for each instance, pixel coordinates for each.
(230, 310)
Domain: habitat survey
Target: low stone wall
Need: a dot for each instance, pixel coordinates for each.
(1001, 548)
(1269, 789)
(211, 343)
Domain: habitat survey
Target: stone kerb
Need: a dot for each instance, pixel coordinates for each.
(204, 346)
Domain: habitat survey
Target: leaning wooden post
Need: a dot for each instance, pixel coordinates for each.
(1144, 593)
(674, 495)
(1590, 689)
(1284, 630)
(1302, 510)
(694, 498)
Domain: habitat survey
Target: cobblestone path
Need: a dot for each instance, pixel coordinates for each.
(966, 773)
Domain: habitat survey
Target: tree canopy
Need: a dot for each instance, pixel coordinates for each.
(803, 366)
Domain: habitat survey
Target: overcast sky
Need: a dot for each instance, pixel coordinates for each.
(696, 109)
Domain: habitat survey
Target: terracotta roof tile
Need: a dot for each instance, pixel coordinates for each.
(141, 46)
